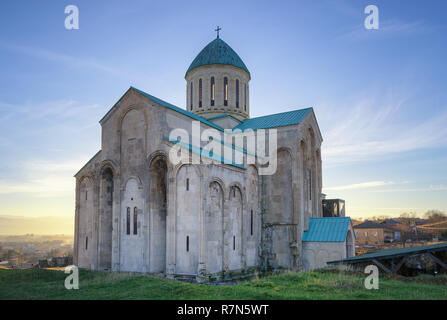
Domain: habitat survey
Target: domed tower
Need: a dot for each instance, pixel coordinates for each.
(217, 82)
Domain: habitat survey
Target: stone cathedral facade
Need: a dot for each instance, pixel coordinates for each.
(138, 212)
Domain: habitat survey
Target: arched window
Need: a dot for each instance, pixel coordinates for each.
(212, 91)
(225, 91)
(245, 97)
(200, 93)
(135, 221)
(128, 221)
(191, 93)
(237, 93)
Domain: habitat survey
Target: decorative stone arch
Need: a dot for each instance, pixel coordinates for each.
(157, 208)
(212, 179)
(126, 110)
(160, 154)
(233, 229)
(293, 160)
(132, 177)
(121, 118)
(177, 168)
(291, 152)
(108, 164)
(311, 134)
(213, 250)
(85, 216)
(89, 178)
(107, 194)
(241, 189)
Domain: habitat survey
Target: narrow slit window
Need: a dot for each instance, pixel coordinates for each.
(187, 184)
(128, 221)
(237, 93)
(309, 179)
(212, 91)
(187, 243)
(251, 222)
(86, 243)
(135, 220)
(234, 242)
(245, 97)
(200, 93)
(190, 98)
(86, 195)
(225, 91)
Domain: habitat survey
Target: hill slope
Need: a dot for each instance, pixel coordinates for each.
(49, 284)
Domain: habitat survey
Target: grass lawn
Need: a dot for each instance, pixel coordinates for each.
(49, 284)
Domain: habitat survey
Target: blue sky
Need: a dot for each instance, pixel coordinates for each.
(379, 95)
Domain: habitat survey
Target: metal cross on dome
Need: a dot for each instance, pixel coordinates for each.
(217, 30)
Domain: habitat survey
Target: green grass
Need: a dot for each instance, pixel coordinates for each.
(49, 284)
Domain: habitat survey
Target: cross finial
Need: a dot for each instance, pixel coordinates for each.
(217, 30)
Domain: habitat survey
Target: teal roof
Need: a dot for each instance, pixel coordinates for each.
(217, 52)
(327, 229)
(204, 153)
(274, 120)
(396, 252)
(182, 111)
(225, 115)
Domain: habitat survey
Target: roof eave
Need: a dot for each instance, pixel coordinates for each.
(218, 64)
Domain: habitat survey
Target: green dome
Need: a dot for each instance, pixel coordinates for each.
(218, 52)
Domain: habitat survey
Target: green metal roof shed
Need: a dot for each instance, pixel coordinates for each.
(328, 229)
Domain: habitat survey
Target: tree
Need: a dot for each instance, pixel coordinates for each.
(435, 215)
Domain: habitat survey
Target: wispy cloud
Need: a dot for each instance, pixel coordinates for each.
(68, 60)
(59, 109)
(373, 127)
(363, 185)
(439, 187)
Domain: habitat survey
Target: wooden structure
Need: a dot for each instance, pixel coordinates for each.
(404, 261)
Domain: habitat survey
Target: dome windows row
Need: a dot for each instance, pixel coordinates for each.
(208, 93)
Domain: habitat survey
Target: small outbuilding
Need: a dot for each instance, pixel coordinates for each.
(373, 233)
(327, 239)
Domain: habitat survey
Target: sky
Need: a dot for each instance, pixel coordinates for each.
(379, 95)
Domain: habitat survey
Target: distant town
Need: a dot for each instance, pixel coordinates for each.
(376, 233)
(407, 230)
(35, 251)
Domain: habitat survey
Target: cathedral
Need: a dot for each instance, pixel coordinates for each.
(139, 211)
